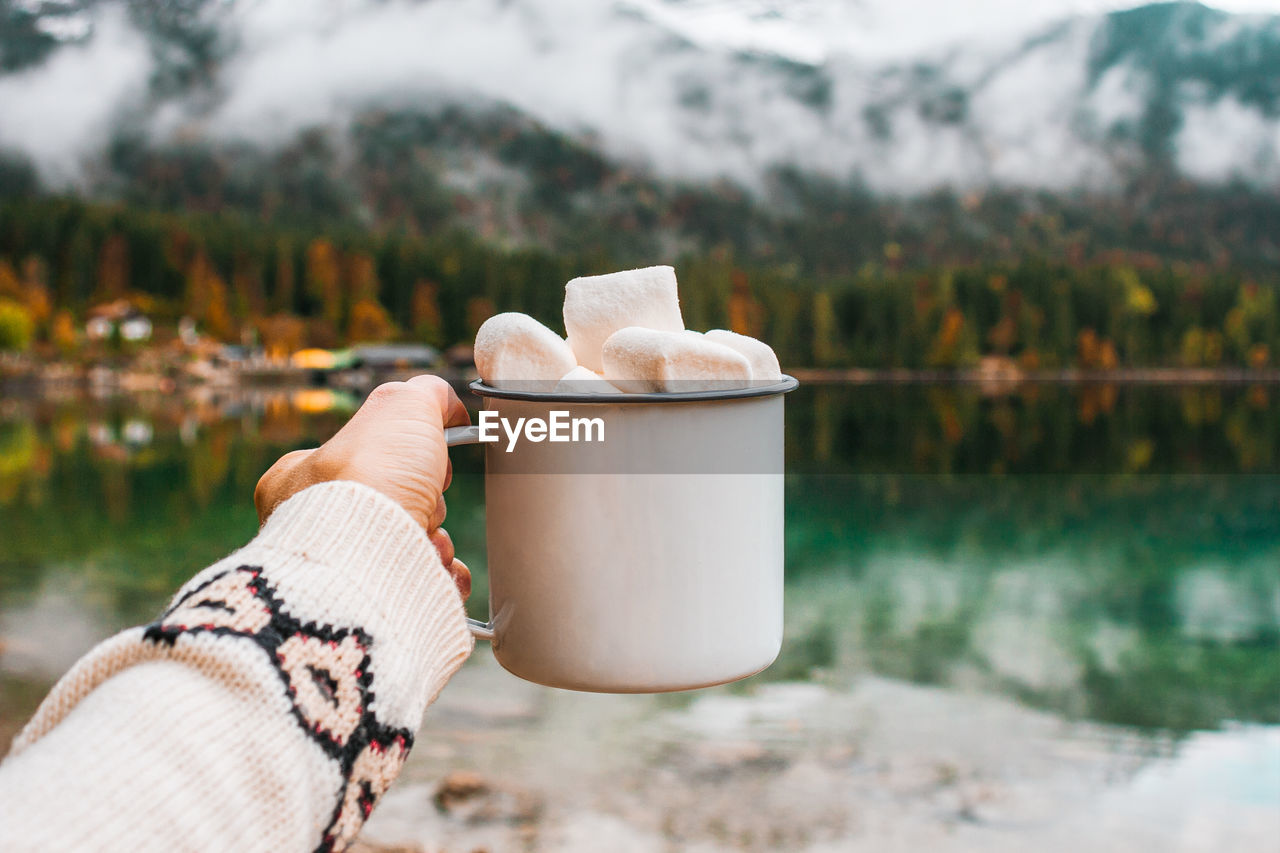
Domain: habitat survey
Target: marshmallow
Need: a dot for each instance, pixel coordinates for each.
(516, 351)
(764, 363)
(639, 360)
(597, 306)
(583, 381)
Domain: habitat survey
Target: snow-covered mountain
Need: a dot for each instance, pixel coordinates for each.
(900, 97)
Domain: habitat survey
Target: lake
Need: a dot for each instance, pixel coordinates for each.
(1018, 617)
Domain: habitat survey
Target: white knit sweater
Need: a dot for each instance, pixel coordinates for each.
(267, 709)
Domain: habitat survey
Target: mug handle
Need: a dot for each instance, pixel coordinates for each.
(454, 436)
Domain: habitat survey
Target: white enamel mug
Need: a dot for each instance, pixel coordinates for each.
(648, 561)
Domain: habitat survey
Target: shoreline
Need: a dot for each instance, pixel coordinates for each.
(19, 379)
(61, 377)
(1125, 375)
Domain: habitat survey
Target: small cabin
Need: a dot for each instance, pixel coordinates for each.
(120, 316)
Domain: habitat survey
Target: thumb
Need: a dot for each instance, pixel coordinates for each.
(281, 482)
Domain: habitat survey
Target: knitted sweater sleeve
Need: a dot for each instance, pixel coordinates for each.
(268, 708)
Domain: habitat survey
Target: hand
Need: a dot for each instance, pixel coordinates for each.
(395, 444)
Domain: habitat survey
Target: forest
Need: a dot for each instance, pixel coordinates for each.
(285, 286)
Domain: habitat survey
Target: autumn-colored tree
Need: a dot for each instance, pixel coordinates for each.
(16, 326)
(1087, 348)
(1004, 335)
(826, 343)
(35, 285)
(362, 277)
(1108, 358)
(1131, 325)
(901, 308)
(10, 284)
(425, 317)
(746, 314)
(1094, 352)
(1252, 320)
(479, 309)
(62, 333)
(947, 349)
(369, 322)
(1192, 347)
(281, 335)
(206, 299)
(324, 280)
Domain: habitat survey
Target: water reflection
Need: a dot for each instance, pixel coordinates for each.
(1088, 630)
(1103, 552)
(1003, 428)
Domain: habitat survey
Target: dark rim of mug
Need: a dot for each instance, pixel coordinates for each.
(788, 383)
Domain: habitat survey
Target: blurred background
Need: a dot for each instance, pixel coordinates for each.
(1022, 255)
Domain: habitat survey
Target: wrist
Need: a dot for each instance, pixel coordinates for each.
(347, 553)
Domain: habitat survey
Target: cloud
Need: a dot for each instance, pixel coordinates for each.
(579, 66)
(662, 83)
(1224, 140)
(576, 65)
(295, 68)
(627, 80)
(61, 112)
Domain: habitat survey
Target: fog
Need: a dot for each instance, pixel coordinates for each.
(60, 112)
(664, 84)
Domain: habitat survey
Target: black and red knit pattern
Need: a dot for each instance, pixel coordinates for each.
(325, 672)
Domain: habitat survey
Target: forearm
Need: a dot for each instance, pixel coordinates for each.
(268, 708)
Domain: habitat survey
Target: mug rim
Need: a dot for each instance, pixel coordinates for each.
(786, 385)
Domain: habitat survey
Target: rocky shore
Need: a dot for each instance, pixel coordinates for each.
(25, 375)
(44, 378)
(869, 765)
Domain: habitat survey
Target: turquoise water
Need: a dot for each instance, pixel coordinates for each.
(1107, 553)
(1032, 618)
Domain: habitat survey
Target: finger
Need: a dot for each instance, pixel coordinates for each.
(452, 411)
(461, 577)
(448, 476)
(292, 458)
(437, 515)
(385, 403)
(422, 398)
(443, 544)
(274, 486)
(456, 414)
(380, 397)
